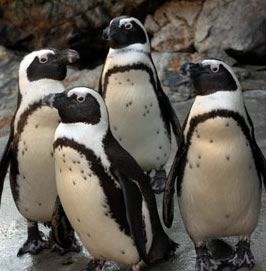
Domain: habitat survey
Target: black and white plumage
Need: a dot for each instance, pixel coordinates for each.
(218, 167)
(105, 194)
(29, 150)
(140, 112)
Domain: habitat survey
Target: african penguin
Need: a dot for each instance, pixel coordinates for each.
(105, 194)
(29, 150)
(218, 167)
(140, 112)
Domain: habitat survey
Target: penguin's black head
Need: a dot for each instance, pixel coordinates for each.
(124, 31)
(47, 64)
(209, 76)
(78, 104)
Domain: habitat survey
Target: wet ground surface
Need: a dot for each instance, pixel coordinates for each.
(13, 226)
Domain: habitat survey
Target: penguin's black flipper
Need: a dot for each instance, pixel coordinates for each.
(62, 231)
(168, 200)
(133, 202)
(168, 110)
(259, 158)
(5, 161)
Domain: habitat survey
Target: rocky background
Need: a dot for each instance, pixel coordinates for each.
(188, 30)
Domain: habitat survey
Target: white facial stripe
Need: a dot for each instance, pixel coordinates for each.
(27, 60)
(83, 92)
(213, 62)
(129, 20)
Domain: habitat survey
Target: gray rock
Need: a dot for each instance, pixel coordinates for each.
(31, 24)
(172, 26)
(236, 26)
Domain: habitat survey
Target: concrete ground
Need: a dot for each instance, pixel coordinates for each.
(13, 227)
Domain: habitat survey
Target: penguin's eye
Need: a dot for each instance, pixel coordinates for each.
(80, 99)
(43, 59)
(128, 26)
(215, 68)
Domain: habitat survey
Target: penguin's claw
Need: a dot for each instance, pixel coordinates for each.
(243, 256)
(95, 264)
(158, 181)
(205, 261)
(33, 246)
(76, 247)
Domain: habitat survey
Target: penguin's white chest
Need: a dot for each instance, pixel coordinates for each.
(87, 209)
(135, 118)
(220, 192)
(36, 181)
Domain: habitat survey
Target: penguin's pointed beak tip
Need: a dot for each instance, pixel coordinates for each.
(106, 34)
(48, 100)
(185, 69)
(72, 56)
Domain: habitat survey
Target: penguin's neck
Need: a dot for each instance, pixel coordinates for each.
(34, 91)
(88, 135)
(225, 100)
(132, 53)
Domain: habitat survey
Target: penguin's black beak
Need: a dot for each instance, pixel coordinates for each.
(67, 56)
(53, 100)
(48, 100)
(106, 33)
(191, 70)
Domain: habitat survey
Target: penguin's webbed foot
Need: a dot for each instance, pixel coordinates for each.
(95, 264)
(243, 256)
(75, 247)
(34, 245)
(205, 261)
(158, 181)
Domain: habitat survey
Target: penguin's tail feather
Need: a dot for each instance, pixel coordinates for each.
(162, 248)
(220, 249)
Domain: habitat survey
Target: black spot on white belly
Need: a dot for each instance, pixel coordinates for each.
(119, 83)
(227, 157)
(26, 210)
(160, 147)
(122, 252)
(227, 124)
(78, 220)
(84, 177)
(157, 158)
(52, 154)
(74, 183)
(157, 132)
(198, 165)
(227, 216)
(36, 126)
(64, 160)
(70, 169)
(88, 235)
(144, 115)
(82, 171)
(39, 203)
(115, 128)
(190, 166)
(211, 140)
(199, 156)
(120, 138)
(128, 80)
